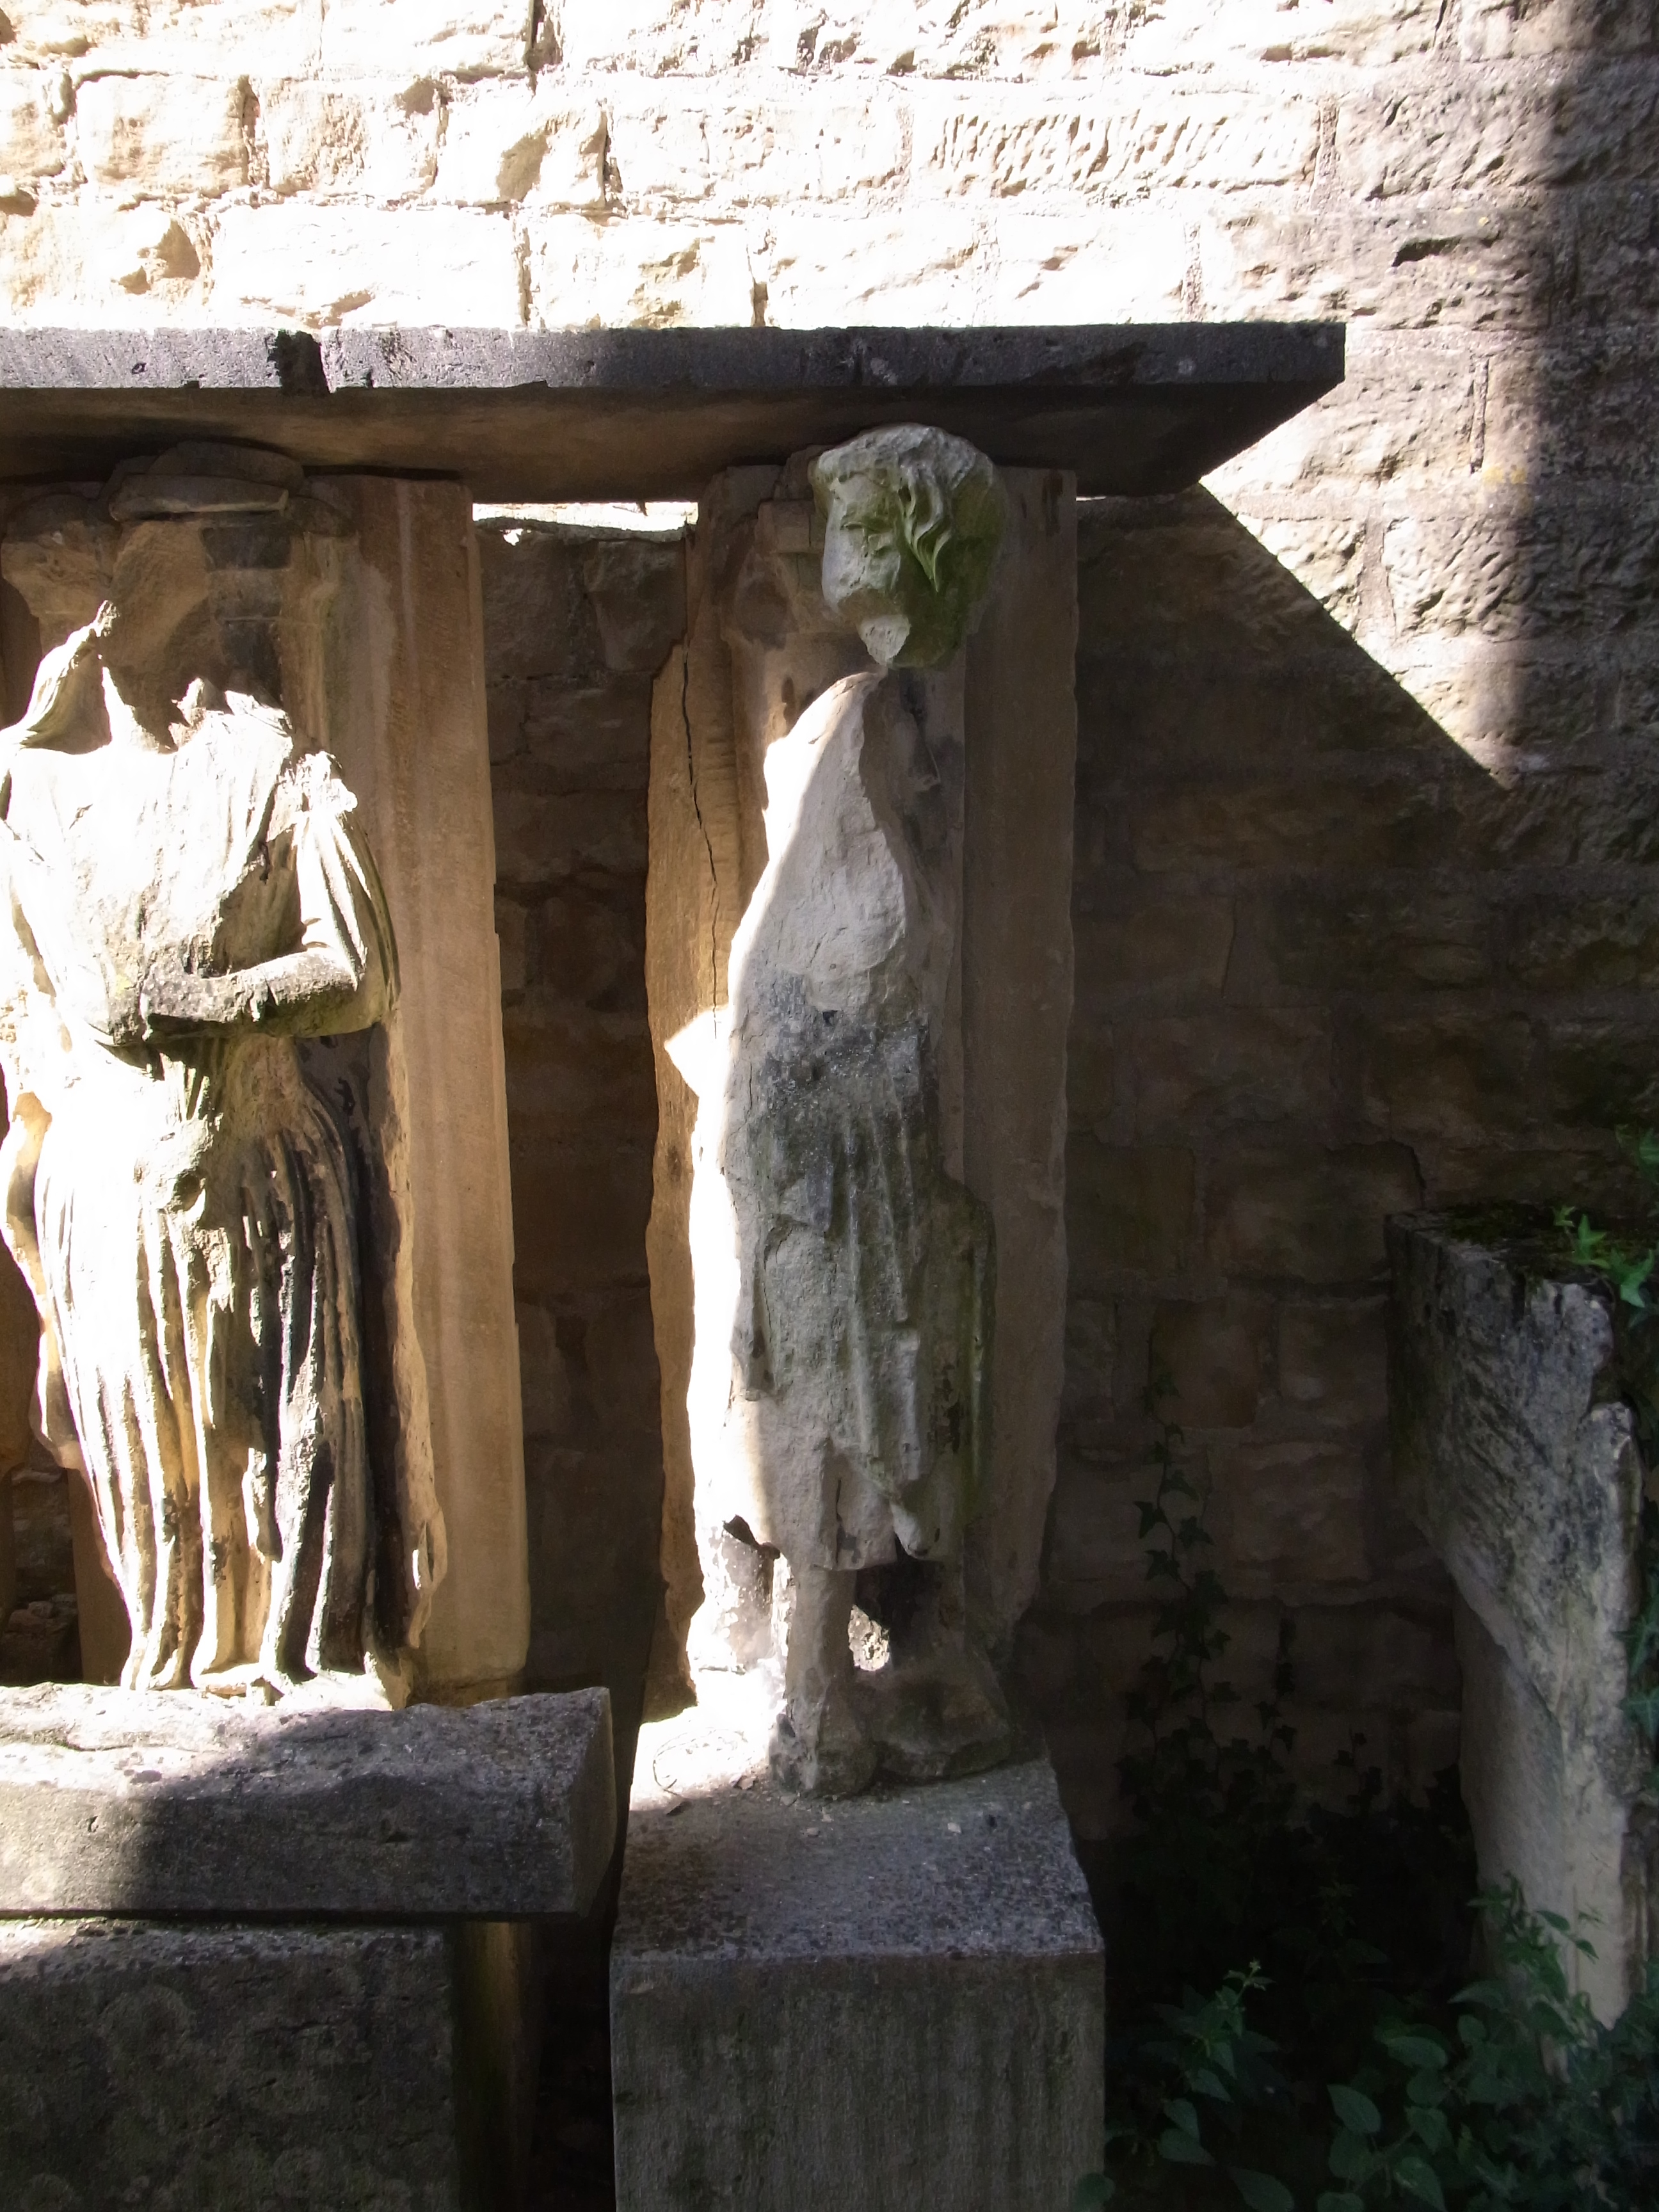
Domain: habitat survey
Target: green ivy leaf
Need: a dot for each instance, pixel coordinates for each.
(1430, 2125)
(1208, 2085)
(1418, 2177)
(1184, 2115)
(1180, 2148)
(1351, 2157)
(1417, 2051)
(1355, 2109)
(1260, 2191)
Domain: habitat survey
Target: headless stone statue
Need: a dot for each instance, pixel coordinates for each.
(841, 1420)
(188, 896)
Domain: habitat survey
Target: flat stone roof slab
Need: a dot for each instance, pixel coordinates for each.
(117, 1802)
(597, 414)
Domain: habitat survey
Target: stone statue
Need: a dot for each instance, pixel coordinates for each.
(840, 1385)
(188, 897)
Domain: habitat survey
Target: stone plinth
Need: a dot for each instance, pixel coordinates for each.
(895, 2000)
(111, 1802)
(347, 2011)
(1514, 1450)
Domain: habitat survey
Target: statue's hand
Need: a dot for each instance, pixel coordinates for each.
(125, 1023)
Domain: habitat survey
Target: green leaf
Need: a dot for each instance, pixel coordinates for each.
(1094, 2189)
(1417, 2177)
(1340, 2200)
(1352, 2156)
(1416, 2051)
(1260, 2191)
(1207, 2084)
(1180, 2148)
(1184, 2115)
(1355, 2109)
(1431, 2126)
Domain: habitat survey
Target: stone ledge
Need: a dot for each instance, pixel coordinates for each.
(559, 415)
(114, 1802)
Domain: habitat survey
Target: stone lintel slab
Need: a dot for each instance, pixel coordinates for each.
(116, 1802)
(889, 2001)
(574, 415)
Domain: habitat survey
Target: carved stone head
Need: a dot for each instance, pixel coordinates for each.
(913, 520)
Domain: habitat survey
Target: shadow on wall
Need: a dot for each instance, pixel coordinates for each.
(1329, 968)
(1365, 907)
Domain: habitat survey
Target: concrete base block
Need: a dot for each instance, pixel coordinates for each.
(286, 2046)
(893, 2002)
(227, 2069)
(244, 2068)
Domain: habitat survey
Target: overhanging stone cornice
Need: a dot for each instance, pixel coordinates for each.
(556, 415)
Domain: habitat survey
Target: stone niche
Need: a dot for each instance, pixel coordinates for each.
(351, 605)
(855, 1958)
(1517, 1452)
(998, 721)
(271, 1912)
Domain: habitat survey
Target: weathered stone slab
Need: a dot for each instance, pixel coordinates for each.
(229, 2069)
(114, 1802)
(897, 2000)
(404, 704)
(1515, 1452)
(641, 414)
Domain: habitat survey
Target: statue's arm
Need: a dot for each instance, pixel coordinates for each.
(342, 975)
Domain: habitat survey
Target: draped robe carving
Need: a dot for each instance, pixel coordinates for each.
(181, 909)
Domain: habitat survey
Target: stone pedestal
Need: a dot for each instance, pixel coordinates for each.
(895, 2000)
(1515, 1452)
(341, 2004)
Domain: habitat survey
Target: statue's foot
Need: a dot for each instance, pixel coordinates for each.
(819, 1747)
(939, 1713)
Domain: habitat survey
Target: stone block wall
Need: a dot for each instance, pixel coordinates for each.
(576, 626)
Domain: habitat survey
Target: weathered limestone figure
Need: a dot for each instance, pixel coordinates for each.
(199, 1210)
(858, 968)
(839, 1393)
(1517, 1452)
